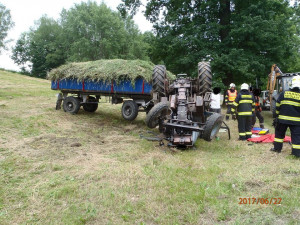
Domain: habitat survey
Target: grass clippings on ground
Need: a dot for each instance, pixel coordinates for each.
(93, 168)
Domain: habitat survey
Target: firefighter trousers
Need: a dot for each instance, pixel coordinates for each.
(295, 135)
(228, 113)
(244, 125)
(260, 118)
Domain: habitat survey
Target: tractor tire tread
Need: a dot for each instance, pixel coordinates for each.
(154, 112)
(210, 124)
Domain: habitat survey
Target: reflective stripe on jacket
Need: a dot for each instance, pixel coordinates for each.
(230, 96)
(244, 103)
(288, 107)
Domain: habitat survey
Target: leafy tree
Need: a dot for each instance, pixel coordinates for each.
(21, 51)
(242, 38)
(6, 24)
(42, 47)
(86, 32)
(96, 32)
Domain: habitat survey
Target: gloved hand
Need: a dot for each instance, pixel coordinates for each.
(275, 122)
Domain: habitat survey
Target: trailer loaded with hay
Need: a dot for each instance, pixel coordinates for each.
(130, 82)
(179, 106)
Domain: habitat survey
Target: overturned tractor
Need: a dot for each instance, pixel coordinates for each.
(181, 108)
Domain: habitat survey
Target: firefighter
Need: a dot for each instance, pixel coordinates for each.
(288, 115)
(243, 106)
(258, 109)
(230, 96)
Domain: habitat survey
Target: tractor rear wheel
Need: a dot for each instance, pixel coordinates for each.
(212, 126)
(91, 105)
(158, 80)
(130, 110)
(158, 112)
(71, 105)
(204, 80)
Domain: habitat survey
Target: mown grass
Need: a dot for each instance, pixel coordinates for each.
(111, 176)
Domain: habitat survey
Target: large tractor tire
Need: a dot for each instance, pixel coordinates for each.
(91, 105)
(158, 80)
(130, 110)
(71, 105)
(159, 111)
(212, 126)
(204, 77)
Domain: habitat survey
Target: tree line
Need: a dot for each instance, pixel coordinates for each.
(85, 32)
(241, 38)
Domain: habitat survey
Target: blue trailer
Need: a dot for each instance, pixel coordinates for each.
(74, 94)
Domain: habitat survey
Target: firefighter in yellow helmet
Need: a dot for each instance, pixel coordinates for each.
(230, 96)
(243, 106)
(288, 116)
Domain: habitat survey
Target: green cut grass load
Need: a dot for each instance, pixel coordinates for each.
(106, 70)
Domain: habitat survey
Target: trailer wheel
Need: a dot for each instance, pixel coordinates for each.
(130, 110)
(158, 80)
(71, 105)
(212, 126)
(158, 111)
(204, 81)
(91, 107)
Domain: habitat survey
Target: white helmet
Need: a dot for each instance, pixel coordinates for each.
(296, 82)
(244, 86)
(232, 85)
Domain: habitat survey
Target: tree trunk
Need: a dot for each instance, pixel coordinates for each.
(225, 16)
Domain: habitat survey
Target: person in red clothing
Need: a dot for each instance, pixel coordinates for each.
(257, 111)
(230, 96)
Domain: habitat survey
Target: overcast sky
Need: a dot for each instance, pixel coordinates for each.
(25, 12)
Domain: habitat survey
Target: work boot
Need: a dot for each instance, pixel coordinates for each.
(262, 126)
(275, 150)
(295, 153)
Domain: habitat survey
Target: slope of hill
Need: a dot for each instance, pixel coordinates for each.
(58, 168)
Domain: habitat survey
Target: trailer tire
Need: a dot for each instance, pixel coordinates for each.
(158, 80)
(157, 111)
(212, 126)
(130, 110)
(91, 107)
(71, 105)
(204, 81)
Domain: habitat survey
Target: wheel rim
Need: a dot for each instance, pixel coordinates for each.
(214, 130)
(70, 106)
(127, 110)
(160, 116)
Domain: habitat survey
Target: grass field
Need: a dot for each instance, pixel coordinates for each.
(58, 168)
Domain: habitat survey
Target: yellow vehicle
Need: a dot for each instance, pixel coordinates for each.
(278, 82)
